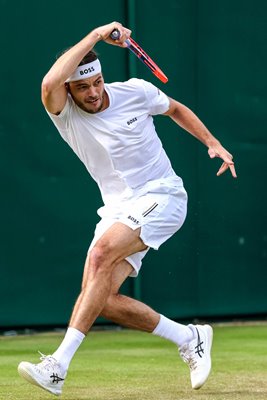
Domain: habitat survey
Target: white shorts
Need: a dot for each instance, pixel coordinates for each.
(159, 209)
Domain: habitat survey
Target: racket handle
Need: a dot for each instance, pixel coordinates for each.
(115, 34)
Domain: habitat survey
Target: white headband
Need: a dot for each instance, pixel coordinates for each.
(85, 71)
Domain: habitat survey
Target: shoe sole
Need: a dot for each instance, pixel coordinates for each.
(26, 375)
(209, 332)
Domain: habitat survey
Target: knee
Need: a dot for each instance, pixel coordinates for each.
(97, 256)
(100, 258)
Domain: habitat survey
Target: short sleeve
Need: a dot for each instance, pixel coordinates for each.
(158, 102)
(61, 121)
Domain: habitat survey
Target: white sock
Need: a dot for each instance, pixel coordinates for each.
(68, 347)
(177, 333)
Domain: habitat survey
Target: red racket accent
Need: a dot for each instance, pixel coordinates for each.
(142, 55)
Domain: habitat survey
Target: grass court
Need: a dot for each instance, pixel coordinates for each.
(129, 365)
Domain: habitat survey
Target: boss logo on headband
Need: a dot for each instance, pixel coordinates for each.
(87, 71)
(83, 71)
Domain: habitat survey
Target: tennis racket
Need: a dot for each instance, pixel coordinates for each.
(141, 54)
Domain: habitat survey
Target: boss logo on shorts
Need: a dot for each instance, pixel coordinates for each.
(133, 219)
(87, 71)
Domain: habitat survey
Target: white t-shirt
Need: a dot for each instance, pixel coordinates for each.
(119, 146)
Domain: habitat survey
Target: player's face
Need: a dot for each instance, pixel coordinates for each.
(89, 94)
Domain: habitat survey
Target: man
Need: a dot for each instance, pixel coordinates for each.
(110, 127)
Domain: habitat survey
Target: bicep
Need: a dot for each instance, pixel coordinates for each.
(54, 100)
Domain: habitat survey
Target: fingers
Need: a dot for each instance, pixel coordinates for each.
(225, 166)
(222, 169)
(232, 169)
(104, 33)
(226, 157)
(125, 33)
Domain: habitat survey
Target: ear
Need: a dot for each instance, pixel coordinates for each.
(67, 86)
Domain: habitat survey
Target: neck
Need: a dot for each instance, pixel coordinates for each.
(106, 101)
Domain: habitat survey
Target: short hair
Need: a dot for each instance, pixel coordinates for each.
(89, 57)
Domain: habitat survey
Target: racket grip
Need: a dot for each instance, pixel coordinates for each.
(115, 34)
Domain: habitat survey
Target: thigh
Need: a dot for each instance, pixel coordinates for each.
(115, 242)
(107, 221)
(153, 218)
(120, 241)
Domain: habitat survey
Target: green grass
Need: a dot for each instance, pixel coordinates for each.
(114, 365)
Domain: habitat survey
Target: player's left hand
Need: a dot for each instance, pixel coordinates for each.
(219, 151)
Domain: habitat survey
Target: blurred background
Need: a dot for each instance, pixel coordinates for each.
(214, 54)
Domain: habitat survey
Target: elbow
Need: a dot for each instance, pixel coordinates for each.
(174, 108)
(46, 86)
(45, 89)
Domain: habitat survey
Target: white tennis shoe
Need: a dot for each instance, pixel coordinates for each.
(197, 354)
(47, 374)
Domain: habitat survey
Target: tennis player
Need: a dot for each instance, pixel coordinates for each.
(110, 128)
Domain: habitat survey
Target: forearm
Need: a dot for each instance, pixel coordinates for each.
(69, 61)
(185, 118)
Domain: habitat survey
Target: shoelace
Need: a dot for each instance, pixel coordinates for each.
(51, 365)
(48, 361)
(188, 357)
